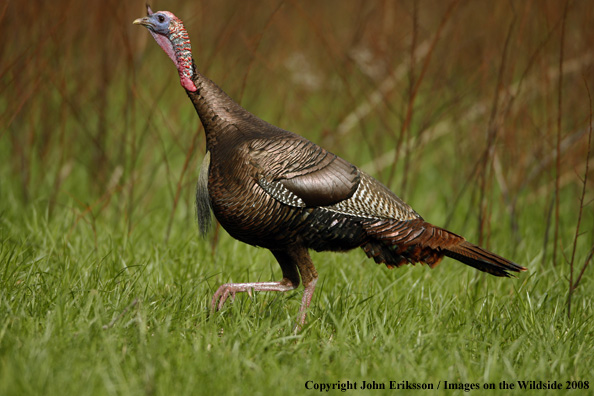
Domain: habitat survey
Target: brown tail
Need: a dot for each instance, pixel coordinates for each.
(483, 260)
(401, 242)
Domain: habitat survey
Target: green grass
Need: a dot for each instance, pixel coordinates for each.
(130, 316)
(105, 285)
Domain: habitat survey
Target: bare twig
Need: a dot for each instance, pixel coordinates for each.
(545, 243)
(255, 49)
(573, 285)
(558, 146)
(444, 127)
(586, 263)
(418, 81)
(412, 92)
(189, 155)
(492, 128)
(121, 315)
(378, 95)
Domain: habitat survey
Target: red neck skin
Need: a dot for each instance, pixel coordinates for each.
(177, 47)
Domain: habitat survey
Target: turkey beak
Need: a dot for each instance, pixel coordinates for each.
(146, 22)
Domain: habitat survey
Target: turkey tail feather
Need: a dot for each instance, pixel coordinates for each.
(412, 241)
(481, 259)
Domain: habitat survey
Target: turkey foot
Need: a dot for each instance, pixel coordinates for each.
(229, 289)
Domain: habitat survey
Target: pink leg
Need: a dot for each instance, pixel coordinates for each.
(229, 289)
(295, 263)
(305, 301)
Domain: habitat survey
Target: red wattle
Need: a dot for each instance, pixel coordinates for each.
(188, 84)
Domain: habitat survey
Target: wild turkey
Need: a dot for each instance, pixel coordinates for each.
(272, 188)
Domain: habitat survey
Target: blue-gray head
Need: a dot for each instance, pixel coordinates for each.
(171, 35)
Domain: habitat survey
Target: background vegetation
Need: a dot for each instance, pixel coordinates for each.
(477, 113)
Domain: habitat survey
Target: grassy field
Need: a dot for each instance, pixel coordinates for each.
(476, 113)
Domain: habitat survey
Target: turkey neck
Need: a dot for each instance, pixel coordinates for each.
(214, 107)
(220, 115)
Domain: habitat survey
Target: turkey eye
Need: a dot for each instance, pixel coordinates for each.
(161, 18)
